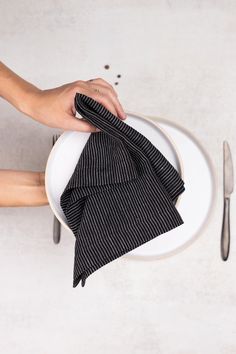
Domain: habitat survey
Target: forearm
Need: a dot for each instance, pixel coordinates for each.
(17, 91)
(22, 188)
(55, 107)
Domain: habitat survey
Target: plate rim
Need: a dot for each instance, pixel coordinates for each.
(154, 119)
(52, 153)
(211, 211)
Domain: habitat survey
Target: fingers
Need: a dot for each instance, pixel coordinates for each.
(117, 105)
(98, 89)
(108, 102)
(104, 83)
(104, 93)
(107, 98)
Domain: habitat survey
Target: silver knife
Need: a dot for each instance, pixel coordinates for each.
(228, 181)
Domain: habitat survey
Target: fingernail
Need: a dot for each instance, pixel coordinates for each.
(97, 130)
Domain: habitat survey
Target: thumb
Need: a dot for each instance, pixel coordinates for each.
(78, 124)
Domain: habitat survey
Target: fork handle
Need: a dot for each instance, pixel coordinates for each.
(56, 230)
(225, 233)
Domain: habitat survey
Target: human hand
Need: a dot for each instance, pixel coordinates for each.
(55, 107)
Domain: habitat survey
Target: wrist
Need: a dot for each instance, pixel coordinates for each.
(29, 101)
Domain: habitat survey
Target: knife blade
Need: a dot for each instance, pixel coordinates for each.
(228, 183)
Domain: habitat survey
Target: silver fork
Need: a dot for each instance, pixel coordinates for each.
(56, 222)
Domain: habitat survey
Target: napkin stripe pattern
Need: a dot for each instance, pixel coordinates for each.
(121, 193)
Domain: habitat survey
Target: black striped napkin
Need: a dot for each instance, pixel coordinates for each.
(121, 194)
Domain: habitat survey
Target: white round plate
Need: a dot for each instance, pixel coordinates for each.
(67, 149)
(178, 147)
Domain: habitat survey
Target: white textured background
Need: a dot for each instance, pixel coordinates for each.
(178, 61)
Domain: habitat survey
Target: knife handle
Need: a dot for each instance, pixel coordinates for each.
(225, 233)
